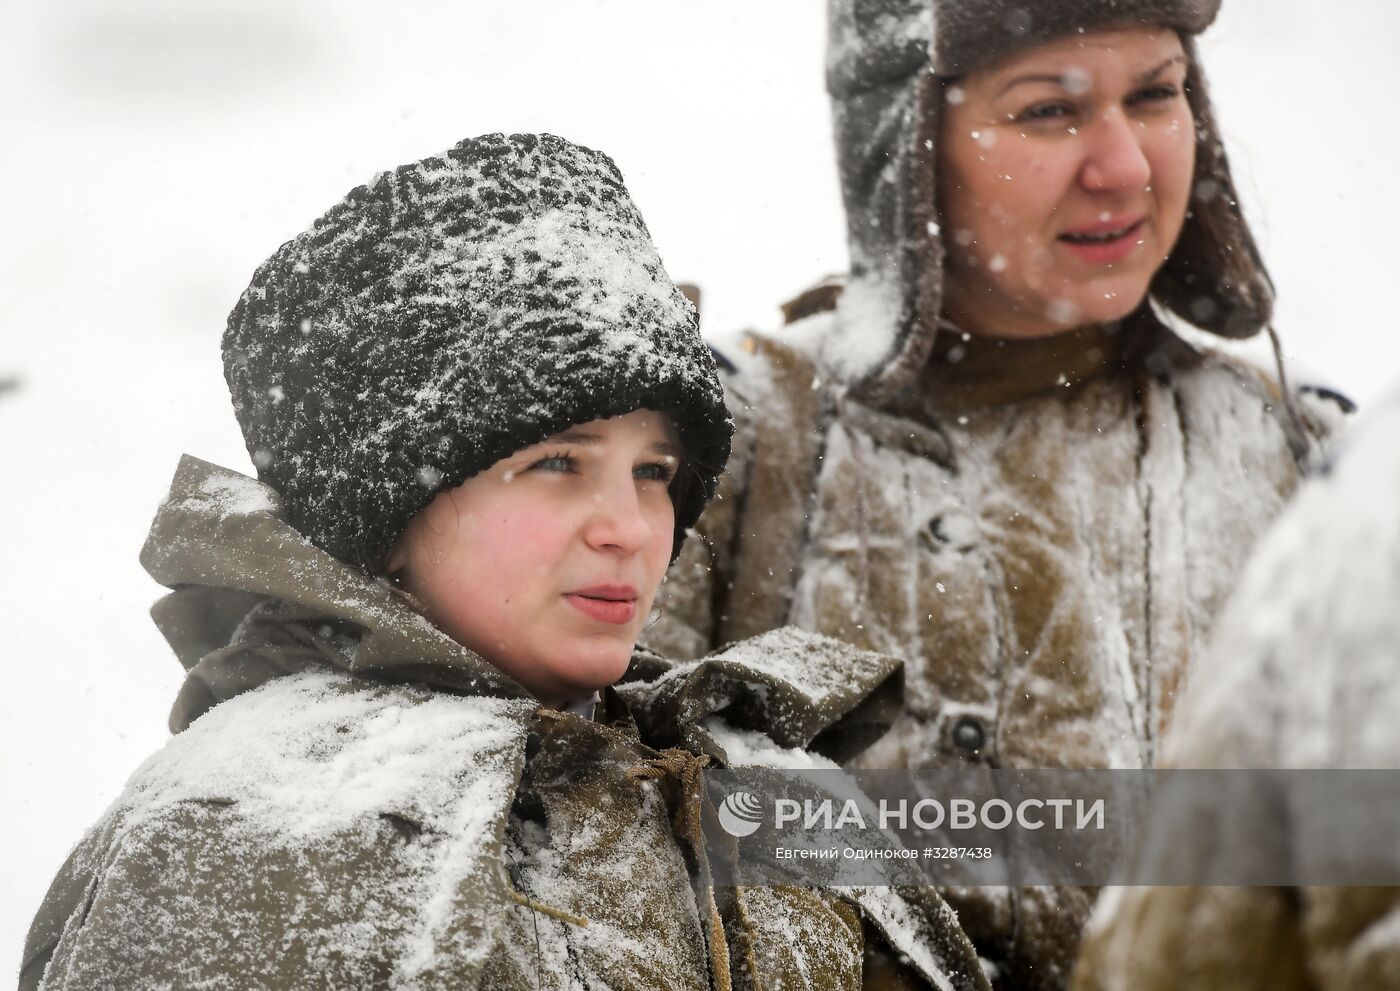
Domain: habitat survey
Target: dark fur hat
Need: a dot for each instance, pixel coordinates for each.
(968, 33)
(888, 62)
(449, 313)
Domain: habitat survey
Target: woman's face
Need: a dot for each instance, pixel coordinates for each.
(1064, 180)
(546, 563)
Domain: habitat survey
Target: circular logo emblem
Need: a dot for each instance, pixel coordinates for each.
(741, 814)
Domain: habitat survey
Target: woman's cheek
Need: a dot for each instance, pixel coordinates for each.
(661, 520)
(1178, 153)
(537, 534)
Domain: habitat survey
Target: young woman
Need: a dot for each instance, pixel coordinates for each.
(415, 747)
(995, 457)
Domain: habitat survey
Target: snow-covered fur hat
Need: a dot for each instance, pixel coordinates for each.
(888, 63)
(449, 313)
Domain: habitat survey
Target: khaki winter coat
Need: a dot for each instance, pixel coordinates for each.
(1043, 530)
(354, 800)
(1300, 674)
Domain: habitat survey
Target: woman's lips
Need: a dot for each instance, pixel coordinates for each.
(1104, 244)
(613, 604)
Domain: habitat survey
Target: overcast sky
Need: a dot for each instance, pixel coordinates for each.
(158, 150)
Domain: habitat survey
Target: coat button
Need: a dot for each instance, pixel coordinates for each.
(951, 529)
(969, 735)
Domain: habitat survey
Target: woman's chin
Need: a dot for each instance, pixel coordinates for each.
(1042, 314)
(1099, 305)
(591, 666)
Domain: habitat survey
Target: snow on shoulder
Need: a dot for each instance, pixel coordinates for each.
(311, 753)
(318, 822)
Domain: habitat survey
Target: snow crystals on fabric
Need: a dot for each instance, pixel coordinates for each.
(750, 748)
(863, 338)
(573, 865)
(870, 40)
(794, 683)
(217, 524)
(229, 494)
(1302, 669)
(310, 753)
(306, 763)
(905, 929)
(819, 666)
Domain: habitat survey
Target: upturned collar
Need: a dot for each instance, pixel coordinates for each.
(966, 370)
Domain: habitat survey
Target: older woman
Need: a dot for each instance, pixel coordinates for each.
(994, 456)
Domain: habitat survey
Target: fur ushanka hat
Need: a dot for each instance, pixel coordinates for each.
(449, 313)
(887, 64)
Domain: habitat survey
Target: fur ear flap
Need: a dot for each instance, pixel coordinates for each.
(1214, 278)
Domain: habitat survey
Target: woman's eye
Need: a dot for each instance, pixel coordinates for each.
(658, 471)
(555, 462)
(1045, 112)
(1154, 94)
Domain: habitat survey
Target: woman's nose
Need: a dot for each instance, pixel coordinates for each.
(617, 521)
(1116, 160)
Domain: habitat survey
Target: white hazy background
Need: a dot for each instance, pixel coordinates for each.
(155, 151)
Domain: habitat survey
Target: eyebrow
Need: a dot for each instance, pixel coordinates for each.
(576, 437)
(585, 439)
(1040, 77)
(1154, 73)
(1060, 79)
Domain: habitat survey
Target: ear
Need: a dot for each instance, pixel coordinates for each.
(398, 556)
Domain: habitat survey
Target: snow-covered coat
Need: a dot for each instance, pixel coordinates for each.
(1043, 530)
(1300, 674)
(353, 800)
